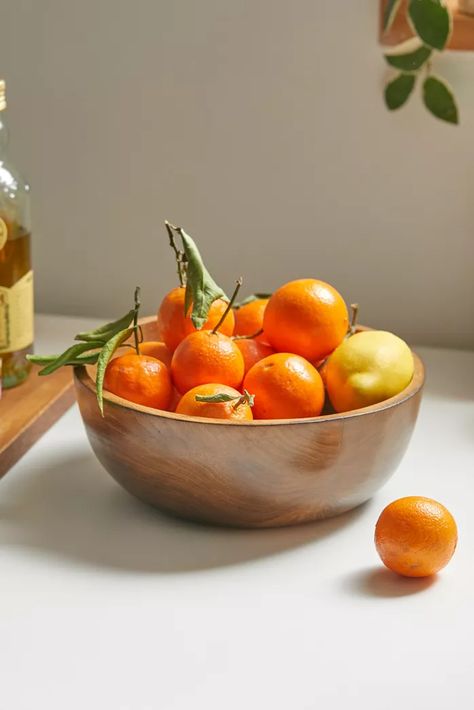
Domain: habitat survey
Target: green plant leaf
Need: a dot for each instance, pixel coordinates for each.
(220, 397)
(104, 358)
(79, 360)
(201, 289)
(439, 100)
(68, 356)
(246, 397)
(410, 61)
(250, 299)
(398, 90)
(107, 331)
(431, 21)
(389, 13)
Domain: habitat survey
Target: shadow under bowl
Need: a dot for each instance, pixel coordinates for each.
(249, 474)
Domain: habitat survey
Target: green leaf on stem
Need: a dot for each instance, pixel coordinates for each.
(69, 356)
(439, 100)
(104, 358)
(96, 347)
(220, 397)
(201, 289)
(107, 331)
(250, 299)
(431, 20)
(398, 91)
(245, 398)
(44, 360)
(410, 61)
(390, 11)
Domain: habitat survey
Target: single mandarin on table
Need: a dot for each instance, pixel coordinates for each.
(415, 536)
(140, 379)
(286, 386)
(249, 319)
(237, 410)
(252, 351)
(157, 349)
(174, 326)
(203, 357)
(306, 317)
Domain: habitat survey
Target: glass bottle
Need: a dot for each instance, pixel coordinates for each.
(16, 276)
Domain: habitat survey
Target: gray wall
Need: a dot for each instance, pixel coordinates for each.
(259, 126)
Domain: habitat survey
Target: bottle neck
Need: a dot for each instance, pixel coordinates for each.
(3, 132)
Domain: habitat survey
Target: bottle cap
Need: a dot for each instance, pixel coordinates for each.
(3, 99)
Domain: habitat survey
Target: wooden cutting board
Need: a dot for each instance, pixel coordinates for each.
(29, 410)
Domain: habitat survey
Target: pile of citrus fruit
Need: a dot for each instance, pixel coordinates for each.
(287, 355)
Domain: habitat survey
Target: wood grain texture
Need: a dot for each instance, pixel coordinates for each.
(29, 410)
(249, 474)
(462, 37)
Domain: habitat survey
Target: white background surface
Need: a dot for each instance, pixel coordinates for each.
(259, 125)
(109, 605)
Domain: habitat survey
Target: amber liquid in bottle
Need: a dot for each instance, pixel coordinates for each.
(16, 276)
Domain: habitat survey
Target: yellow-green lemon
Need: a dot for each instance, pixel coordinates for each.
(367, 368)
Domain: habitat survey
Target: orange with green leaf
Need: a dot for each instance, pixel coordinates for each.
(217, 401)
(207, 355)
(175, 323)
(198, 303)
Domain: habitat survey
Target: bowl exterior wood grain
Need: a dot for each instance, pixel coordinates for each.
(256, 474)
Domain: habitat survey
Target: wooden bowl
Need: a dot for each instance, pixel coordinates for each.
(249, 474)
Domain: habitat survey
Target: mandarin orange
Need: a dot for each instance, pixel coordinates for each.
(415, 536)
(140, 379)
(203, 357)
(157, 349)
(286, 386)
(174, 325)
(252, 351)
(322, 368)
(237, 409)
(306, 317)
(175, 397)
(249, 319)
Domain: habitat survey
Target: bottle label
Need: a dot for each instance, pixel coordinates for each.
(3, 234)
(16, 315)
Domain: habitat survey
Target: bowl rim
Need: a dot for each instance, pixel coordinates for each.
(82, 375)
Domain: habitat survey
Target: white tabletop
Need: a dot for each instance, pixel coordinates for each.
(110, 605)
